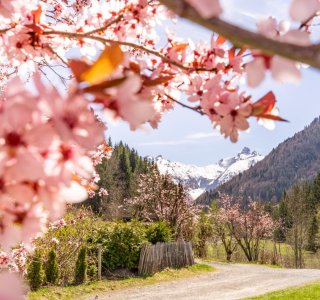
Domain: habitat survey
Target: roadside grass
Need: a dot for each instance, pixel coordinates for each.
(208, 260)
(103, 286)
(309, 291)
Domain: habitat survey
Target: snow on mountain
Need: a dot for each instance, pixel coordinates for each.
(197, 180)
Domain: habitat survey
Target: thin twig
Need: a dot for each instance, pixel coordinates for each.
(196, 109)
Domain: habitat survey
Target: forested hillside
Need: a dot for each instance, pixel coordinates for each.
(296, 159)
(118, 175)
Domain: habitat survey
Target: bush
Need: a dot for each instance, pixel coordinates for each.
(203, 234)
(65, 236)
(121, 245)
(159, 232)
(92, 272)
(35, 272)
(81, 266)
(52, 268)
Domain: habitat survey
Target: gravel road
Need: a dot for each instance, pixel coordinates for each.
(229, 282)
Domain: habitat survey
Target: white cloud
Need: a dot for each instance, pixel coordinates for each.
(167, 143)
(202, 135)
(192, 138)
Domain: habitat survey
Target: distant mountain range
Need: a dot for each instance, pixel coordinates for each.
(295, 159)
(198, 180)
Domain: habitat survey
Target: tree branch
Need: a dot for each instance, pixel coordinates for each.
(87, 35)
(241, 37)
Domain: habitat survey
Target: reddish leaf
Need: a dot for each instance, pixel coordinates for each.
(273, 117)
(231, 53)
(107, 62)
(78, 67)
(220, 40)
(37, 15)
(99, 88)
(180, 47)
(135, 67)
(264, 105)
(263, 108)
(157, 81)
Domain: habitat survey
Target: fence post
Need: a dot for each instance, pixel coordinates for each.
(99, 261)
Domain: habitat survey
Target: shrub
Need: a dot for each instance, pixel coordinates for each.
(81, 266)
(121, 245)
(65, 236)
(159, 232)
(35, 272)
(92, 271)
(203, 234)
(52, 268)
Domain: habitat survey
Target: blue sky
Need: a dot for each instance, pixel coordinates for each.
(187, 137)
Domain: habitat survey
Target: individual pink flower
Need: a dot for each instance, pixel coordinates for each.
(282, 69)
(234, 111)
(7, 8)
(126, 103)
(207, 8)
(11, 287)
(302, 10)
(195, 88)
(74, 122)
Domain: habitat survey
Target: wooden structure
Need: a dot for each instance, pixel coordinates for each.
(155, 258)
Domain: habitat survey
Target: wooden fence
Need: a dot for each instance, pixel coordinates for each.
(155, 258)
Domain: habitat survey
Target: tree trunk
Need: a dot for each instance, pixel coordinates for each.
(229, 253)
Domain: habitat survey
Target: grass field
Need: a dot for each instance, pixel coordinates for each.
(284, 255)
(306, 292)
(76, 292)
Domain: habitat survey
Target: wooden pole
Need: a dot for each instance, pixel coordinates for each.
(99, 261)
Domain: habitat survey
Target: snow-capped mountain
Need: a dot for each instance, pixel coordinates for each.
(200, 179)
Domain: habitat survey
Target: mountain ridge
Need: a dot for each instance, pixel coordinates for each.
(198, 180)
(295, 159)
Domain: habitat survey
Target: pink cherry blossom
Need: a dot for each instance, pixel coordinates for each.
(233, 110)
(125, 103)
(282, 70)
(11, 287)
(302, 10)
(207, 8)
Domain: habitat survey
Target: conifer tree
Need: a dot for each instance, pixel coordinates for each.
(81, 267)
(52, 268)
(35, 272)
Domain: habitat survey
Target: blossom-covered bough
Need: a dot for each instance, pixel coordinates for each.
(107, 56)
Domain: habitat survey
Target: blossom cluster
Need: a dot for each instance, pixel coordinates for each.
(45, 140)
(249, 222)
(143, 80)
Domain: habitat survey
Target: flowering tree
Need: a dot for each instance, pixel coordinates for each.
(245, 227)
(159, 199)
(254, 225)
(46, 137)
(225, 218)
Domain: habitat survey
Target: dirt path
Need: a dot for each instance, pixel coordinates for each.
(229, 282)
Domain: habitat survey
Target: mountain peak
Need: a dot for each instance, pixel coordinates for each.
(200, 179)
(246, 151)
